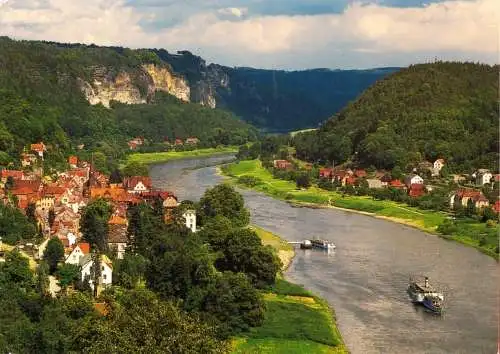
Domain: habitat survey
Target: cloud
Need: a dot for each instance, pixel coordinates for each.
(362, 35)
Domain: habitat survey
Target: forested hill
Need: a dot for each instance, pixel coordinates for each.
(427, 111)
(66, 96)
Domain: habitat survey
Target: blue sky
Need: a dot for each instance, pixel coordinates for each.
(284, 34)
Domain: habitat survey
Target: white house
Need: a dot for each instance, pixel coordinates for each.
(438, 165)
(106, 277)
(137, 184)
(413, 179)
(190, 217)
(483, 177)
(78, 252)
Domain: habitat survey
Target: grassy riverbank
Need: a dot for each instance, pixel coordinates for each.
(159, 157)
(474, 234)
(296, 320)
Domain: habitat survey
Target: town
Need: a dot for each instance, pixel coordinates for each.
(468, 191)
(55, 203)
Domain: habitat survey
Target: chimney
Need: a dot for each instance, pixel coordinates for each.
(426, 282)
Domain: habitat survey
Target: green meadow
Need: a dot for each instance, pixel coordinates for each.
(159, 157)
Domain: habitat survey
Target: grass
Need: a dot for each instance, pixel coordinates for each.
(283, 249)
(296, 321)
(159, 157)
(467, 233)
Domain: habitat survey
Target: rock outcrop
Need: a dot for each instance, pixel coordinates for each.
(165, 80)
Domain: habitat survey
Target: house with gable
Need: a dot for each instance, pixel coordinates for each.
(463, 196)
(360, 173)
(282, 164)
(137, 184)
(374, 183)
(437, 166)
(326, 173)
(190, 218)
(416, 190)
(483, 176)
(78, 251)
(86, 263)
(192, 140)
(27, 159)
(413, 179)
(39, 149)
(16, 175)
(117, 235)
(73, 161)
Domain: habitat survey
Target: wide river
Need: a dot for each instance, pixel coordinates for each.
(365, 278)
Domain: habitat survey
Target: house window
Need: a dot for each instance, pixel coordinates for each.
(102, 268)
(104, 276)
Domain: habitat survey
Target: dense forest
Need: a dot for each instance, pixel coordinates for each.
(441, 110)
(173, 292)
(273, 100)
(40, 100)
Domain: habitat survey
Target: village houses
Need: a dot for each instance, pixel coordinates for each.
(483, 177)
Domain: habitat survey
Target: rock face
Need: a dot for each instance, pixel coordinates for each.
(105, 89)
(126, 87)
(165, 80)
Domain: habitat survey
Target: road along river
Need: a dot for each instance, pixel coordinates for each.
(365, 278)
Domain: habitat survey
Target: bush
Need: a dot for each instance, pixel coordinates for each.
(249, 181)
(448, 227)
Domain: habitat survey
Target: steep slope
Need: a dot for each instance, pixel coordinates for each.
(272, 99)
(66, 95)
(444, 109)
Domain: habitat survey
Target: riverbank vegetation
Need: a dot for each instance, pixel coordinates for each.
(159, 157)
(466, 229)
(295, 321)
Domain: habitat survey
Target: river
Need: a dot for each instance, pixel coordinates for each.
(365, 278)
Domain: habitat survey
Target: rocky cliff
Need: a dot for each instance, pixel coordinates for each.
(133, 87)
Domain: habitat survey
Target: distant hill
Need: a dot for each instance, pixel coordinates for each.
(427, 111)
(66, 95)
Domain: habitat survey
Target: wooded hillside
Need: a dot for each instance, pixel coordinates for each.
(441, 110)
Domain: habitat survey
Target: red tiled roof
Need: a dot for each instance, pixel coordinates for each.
(12, 173)
(131, 182)
(117, 220)
(496, 206)
(350, 180)
(396, 183)
(40, 147)
(467, 193)
(360, 173)
(325, 172)
(85, 247)
(73, 160)
(54, 190)
(22, 191)
(33, 185)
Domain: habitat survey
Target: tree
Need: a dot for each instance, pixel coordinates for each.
(144, 226)
(68, 274)
(14, 226)
(95, 271)
(223, 200)
(30, 213)
(94, 223)
(303, 181)
(42, 279)
(234, 302)
(243, 252)
(116, 176)
(52, 217)
(54, 252)
(129, 271)
(9, 183)
(135, 169)
(163, 328)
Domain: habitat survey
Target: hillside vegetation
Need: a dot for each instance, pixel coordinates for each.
(441, 110)
(41, 100)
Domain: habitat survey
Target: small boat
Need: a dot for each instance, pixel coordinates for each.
(306, 245)
(418, 290)
(323, 244)
(433, 303)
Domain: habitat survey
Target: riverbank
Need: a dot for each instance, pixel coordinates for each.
(161, 157)
(477, 235)
(296, 320)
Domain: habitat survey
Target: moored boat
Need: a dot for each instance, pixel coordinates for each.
(323, 244)
(306, 244)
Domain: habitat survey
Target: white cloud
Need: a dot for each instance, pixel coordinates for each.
(362, 35)
(234, 11)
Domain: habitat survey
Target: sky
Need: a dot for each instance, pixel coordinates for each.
(274, 34)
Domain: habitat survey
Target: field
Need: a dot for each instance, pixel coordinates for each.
(296, 321)
(159, 157)
(470, 233)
